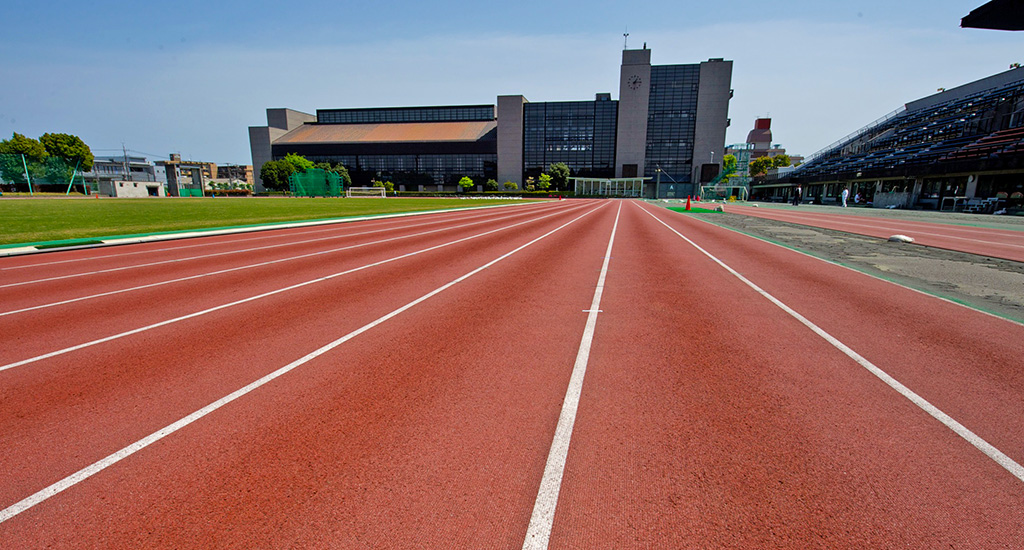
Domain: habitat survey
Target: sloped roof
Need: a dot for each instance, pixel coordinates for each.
(409, 132)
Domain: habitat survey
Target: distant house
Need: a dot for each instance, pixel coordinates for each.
(124, 176)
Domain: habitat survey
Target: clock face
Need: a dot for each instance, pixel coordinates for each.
(634, 82)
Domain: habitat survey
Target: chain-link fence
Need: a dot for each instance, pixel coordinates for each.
(315, 183)
(51, 174)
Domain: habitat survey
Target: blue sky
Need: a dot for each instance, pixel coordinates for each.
(190, 77)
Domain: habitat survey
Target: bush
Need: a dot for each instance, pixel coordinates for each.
(230, 193)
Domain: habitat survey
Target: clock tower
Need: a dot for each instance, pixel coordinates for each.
(634, 96)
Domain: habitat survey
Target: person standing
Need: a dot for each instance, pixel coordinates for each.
(846, 195)
(798, 194)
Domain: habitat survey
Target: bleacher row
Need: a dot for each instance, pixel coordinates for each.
(958, 130)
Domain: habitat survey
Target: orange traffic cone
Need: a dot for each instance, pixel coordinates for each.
(687, 203)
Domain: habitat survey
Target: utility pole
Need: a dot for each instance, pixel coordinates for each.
(124, 163)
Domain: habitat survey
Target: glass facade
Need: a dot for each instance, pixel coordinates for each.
(416, 169)
(406, 163)
(671, 124)
(460, 113)
(579, 133)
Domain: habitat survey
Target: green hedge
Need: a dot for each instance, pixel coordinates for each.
(522, 194)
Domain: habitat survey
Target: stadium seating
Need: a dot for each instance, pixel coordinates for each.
(987, 125)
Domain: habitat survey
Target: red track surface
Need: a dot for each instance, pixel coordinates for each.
(985, 241)
(709, 416)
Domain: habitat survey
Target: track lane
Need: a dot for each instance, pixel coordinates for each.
(87, 391)
(436, 435)
(997, 243)
(124, 312)
(60, 283)
(961, 360)
(426, 420)
(707, 430)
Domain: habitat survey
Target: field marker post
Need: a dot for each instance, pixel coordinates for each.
(72, 180)
(28, 179)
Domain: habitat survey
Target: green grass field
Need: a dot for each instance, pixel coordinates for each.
(50, 219)
(693, 209)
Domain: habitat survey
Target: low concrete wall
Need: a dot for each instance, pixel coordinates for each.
(884, 200)
(132, 189)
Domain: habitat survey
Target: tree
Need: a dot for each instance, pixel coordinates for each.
(339, 169)
(346, 179)
(559, 175)
(729, 167)
(12, 167)
(760, 166)
(544, 182)
(728, 163)
(491, 185)
(510, 185)
(275, 174)
(466, 183)
(70, 148)
(300, 162)
(388, 186)
(779, 161)
(67, 156)
(21, 145)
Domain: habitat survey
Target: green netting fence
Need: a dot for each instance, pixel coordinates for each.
(315, 182)
(27, 174)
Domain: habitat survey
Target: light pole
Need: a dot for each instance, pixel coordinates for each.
(659, 171)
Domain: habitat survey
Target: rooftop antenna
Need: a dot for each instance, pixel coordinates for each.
(625, 39)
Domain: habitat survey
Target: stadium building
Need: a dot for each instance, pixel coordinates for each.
(667, 126)
(960, 149)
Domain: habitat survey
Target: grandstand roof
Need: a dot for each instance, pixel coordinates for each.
(1004, 78)
(409, 132)
(1004, 15)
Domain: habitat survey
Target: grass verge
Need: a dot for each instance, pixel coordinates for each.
(41, 220)
(693, 210)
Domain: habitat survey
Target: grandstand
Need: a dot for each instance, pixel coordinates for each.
(958, 149)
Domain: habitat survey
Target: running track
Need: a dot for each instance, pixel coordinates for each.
(577, 374)
(1007, 244)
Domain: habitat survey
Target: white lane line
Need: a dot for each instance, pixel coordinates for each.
(538, 534)
(262, 264)
(99, 466)
(212, 255)
(985, 447)
(259, 296)
(275, 227)
(261, 237)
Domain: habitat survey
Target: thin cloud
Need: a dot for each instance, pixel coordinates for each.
(818, 81)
